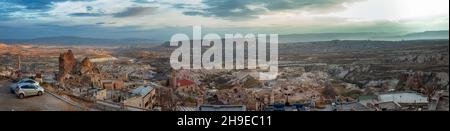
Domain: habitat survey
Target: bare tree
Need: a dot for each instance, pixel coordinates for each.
(430, 91)
(329, 91)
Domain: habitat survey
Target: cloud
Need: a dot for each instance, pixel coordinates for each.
(135, 11)
(87, 14)
(144, 1)
(29, 9)
(109, 17)
(252, 8)
(128, 12)
(6, 8)
(396, 9)
(37, 4)
(105, 23)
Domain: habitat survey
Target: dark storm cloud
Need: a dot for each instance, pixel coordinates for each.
(241, 8)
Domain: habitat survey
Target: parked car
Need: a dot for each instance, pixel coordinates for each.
(13, 87)
(25, 89)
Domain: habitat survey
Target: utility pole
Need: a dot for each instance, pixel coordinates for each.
(272, 97)
(18, 64)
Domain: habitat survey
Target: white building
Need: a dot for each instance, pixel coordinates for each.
(403, 98)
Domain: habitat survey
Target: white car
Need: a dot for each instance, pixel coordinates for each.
(13, 87)
(25, 89)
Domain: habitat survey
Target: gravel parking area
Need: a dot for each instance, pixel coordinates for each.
(46, 102)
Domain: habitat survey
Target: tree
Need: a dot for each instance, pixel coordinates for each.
(329, 92)
(430, 91)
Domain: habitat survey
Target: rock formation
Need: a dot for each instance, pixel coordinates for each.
(81, 74)
(420, 80)
(3, 46)
(87, 67)
(67, 64)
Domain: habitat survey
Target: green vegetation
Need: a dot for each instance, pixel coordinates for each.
(45, 84)
(252, 83)
(353, 94)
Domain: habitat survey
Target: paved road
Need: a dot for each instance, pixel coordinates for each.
(9, 102)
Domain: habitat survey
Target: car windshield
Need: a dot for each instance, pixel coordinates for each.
(28, 86)
(27, 81)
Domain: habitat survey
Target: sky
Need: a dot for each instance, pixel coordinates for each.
(160, 19)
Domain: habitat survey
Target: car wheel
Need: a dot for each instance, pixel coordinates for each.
(39, 93)
(21, 96)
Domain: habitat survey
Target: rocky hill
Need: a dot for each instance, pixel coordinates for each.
(3, 46)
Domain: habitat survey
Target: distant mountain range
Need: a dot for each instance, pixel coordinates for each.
(362, 36)
(70, 40)
(426, 35)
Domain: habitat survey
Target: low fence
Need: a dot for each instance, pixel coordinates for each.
(111, 106)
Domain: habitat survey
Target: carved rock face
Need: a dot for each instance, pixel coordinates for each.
(67, 64)
(87, 67)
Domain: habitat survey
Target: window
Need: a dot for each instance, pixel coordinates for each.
(146, 104)
(27, 87)
(29, 81)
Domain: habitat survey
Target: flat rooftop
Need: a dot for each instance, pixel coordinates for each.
(403, 98)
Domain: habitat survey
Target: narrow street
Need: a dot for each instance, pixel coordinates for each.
(46, 102)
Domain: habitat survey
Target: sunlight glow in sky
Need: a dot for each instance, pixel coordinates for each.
(396, 9)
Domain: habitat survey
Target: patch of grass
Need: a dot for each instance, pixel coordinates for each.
(353, 94)
(45, 84)
(191, 100)
(252, 83)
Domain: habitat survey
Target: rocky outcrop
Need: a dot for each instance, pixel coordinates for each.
(385, 84)
(87, 67)
(421, 80)
(433, 58)
(3, 46)
(80, 73)
(348, 71)
(376, 77)
(67, 64)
